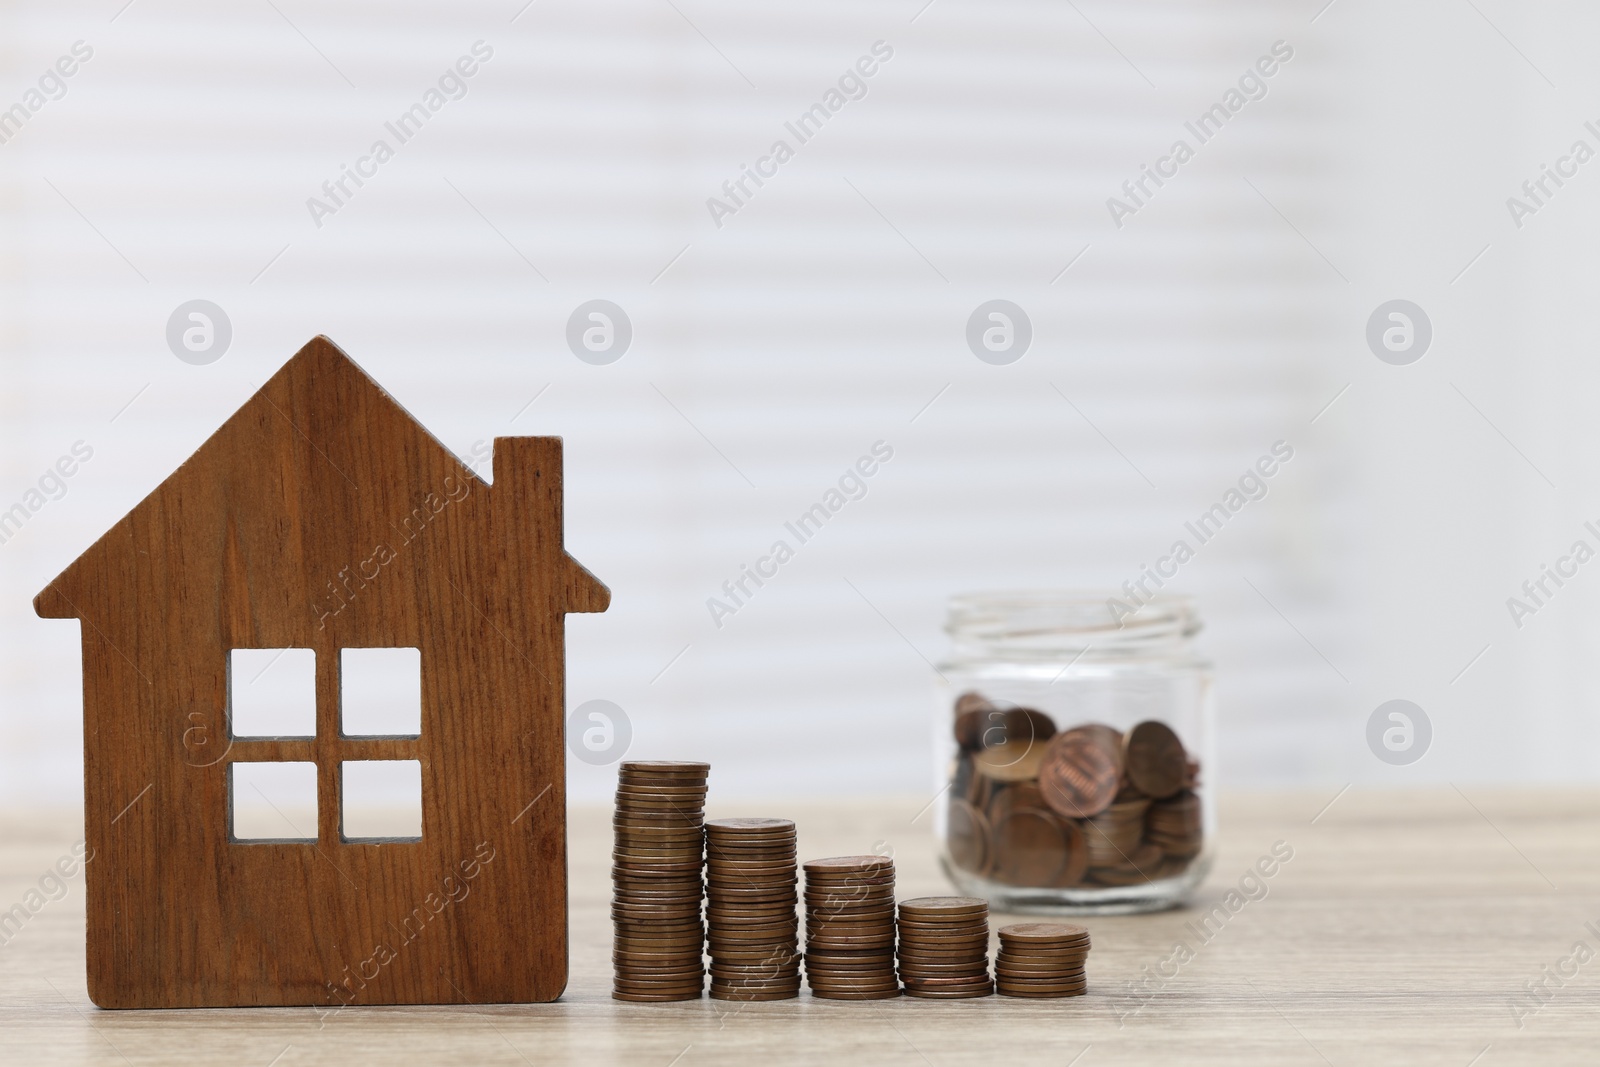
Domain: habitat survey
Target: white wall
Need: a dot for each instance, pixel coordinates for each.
(827, 313)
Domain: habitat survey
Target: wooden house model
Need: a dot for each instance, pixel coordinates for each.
(322, 517)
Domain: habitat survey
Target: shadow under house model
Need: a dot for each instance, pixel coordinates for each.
(322, 516)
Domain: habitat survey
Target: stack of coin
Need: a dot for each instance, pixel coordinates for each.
(657, 884)
(850, 928)
(1173, 825)
(1041, 960)
(944, 947)
(750, 888)
(1113, 835)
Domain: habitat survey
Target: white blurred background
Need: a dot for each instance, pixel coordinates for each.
(829, 313)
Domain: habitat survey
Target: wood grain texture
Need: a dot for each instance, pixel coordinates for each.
(1396, 935)
(322, 516)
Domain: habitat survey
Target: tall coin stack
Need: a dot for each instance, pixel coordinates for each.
(944, 947)
(850, 928)
(657, 885)
(1041, 960)
(750, 889)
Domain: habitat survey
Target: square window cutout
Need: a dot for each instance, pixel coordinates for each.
(273, 801)
(272, 692)
(380, 692)
(382, 799)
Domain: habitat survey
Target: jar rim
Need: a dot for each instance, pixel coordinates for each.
(1046, 620)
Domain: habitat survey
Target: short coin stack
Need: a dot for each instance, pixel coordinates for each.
(944, 947)
(657, 883)
(750, 886)
(1041, 960)
(850, 928)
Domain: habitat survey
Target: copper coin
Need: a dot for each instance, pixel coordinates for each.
(1009, 796)
(967, 982)
(775, 857)
(1077, 855)
(627, 810)
(944, 906)
(1019, 725)
(1156, 761)
(686, 799)
(1059, 960)
(886, 994)
(755, 975)
(924, 936)
(655, 998)
(645, 981)
(779, 958)
(755, 935)
(878, 962)
(885, 942)
(754, 826)
(846, 892)
(849, 865)
(1006, 974)
(784, 951)
(751, 913)
(657, 885)
(967, 836)
(913, 928)
(866, 984)
(1062, 989)
(773, 866)
(750, 877)
(661, 790)
(1030, 848)
(639, 766)
(842, 916)
(637, 988)
(756, 984)
(1080, 772)
(968, 954)
(752, 968)
(683, 911)
(735, 994)
(837, 934)
(969, 968)
(968, 729)
(1062, 962)
(647, 950)
(653, 899)
(983, 991)
(849, 937)
(1040, 933)
(757, 895)
(663, 968)
(1011, 761)
(849, 894)
(879, 916)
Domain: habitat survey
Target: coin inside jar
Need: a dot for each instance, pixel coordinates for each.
(1156, 760)
(1080, 771)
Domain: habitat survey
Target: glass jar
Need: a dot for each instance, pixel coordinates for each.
(1074, 741)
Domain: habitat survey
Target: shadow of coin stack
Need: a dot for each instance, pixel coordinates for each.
(657, 884)
(750, 914)
(850, 928)
(1041, 960)
(944, 947)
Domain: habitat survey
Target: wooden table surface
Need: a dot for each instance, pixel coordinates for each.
(1407, 928)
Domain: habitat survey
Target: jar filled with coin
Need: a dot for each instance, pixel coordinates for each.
(1074, 740)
